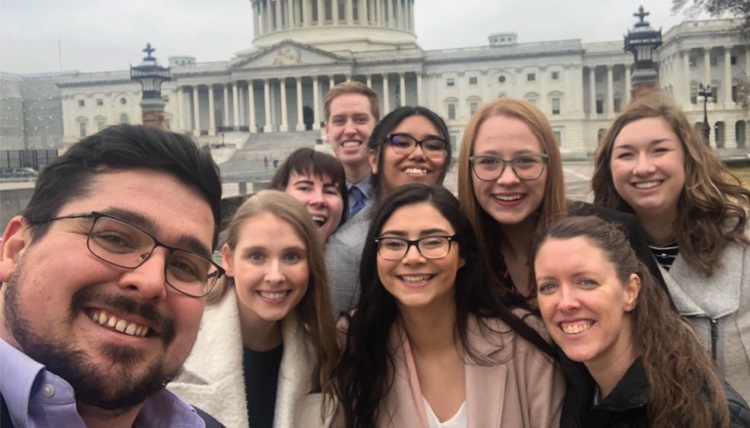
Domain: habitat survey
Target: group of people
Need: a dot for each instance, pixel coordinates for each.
(359, 292)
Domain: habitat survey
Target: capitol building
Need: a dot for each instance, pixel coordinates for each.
(301, 48)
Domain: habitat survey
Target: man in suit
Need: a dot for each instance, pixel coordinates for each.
(352, 109)
(104, 277)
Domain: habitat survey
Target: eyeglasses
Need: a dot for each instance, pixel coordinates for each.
(431, 247)
(526, 167)
(404, 144)
(126, 246)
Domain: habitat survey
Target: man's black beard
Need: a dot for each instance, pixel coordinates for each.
(114, 388)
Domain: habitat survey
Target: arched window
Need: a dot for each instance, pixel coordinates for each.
(124, 118)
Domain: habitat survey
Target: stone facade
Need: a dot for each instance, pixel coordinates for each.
(303, 47)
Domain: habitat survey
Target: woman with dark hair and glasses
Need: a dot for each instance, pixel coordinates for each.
(510, 182)
(267, 343)
(410, 145)
(430, 343)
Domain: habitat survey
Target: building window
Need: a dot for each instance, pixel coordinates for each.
(451, 111)
(99, 102)
(714, 61)
(555, 75)
(123, 101)
(558, 136)
(82, 129)
(600, 106)
(531, 77)
(555, 105)
(693, 61)
(81, 103)
(454, 143)
(124, 118)
(472, 81)
(473, 107)
(501, 79)
(531, 100)
(450, 82)
(618, 104)
(101, 124)
(733, 60)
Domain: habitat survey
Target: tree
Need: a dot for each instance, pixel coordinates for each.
(739, 9)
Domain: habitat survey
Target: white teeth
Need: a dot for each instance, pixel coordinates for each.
(273, 295)
(575, 328)
(319, 220)
(647, 184)
(351, 143)
(109, 320)
(415, 171)
(415, 278)
(508, 198)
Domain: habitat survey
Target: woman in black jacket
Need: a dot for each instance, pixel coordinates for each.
(642, 365)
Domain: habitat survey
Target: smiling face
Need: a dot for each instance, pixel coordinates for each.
(57, 294)
(648, 168)
(584, 304)
(509, 200)
(349, 128)
(322, 199)
(270, 268)
(416, 281)
(397, 170)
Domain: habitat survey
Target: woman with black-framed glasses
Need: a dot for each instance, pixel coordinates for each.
(430, 341)
(511, 184)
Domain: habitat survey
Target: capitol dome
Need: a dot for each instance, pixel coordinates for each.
(335, 25)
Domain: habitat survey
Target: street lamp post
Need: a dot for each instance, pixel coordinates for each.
(151, 75)
(705, 92)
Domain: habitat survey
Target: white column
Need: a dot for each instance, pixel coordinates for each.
(331, 82)
(419, 88)
(267, 106)
(379, 12)
(251, 106)
(242, 106)
(369, 80)
(348, 77)
(386, 100)
(196, 112)
(300, 114)
(284, 116)
(316, 103)
(592, 91)
(269, 17)
(306, 13)
(628, 85)
(225, 115)
(211, 115)
(236, 108)
(373, 18)
(399, 14)
(707, 67)
(321, 13)
(255, 20)
(388, 13)
(402, 87)
(277, 11)
(362, 12)
(348, 9)
(180, 114)
(610, 92)
(686, 75)
(335, 12)
(727, 77)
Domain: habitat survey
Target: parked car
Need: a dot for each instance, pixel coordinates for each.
(18, 172)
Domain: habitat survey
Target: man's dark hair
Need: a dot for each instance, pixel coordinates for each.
(123, 147)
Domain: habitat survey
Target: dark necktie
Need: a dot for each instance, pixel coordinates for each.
(359, 201)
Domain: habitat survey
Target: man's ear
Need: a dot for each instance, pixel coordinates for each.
(15, 240)
(373, 157)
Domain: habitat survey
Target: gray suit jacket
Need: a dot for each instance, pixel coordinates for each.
(343, 255)
(721, 301)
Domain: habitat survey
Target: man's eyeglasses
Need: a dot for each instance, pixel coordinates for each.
(404, 144)
(527, 167)
(431, 247)
(126, 246)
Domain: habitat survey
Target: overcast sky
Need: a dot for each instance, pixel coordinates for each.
(96, 35)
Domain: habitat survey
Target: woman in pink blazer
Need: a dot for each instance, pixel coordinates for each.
(430, 344)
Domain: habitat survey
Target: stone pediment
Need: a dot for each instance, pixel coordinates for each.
(288, 54)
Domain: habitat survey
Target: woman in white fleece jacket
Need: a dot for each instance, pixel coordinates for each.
(267, 342)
